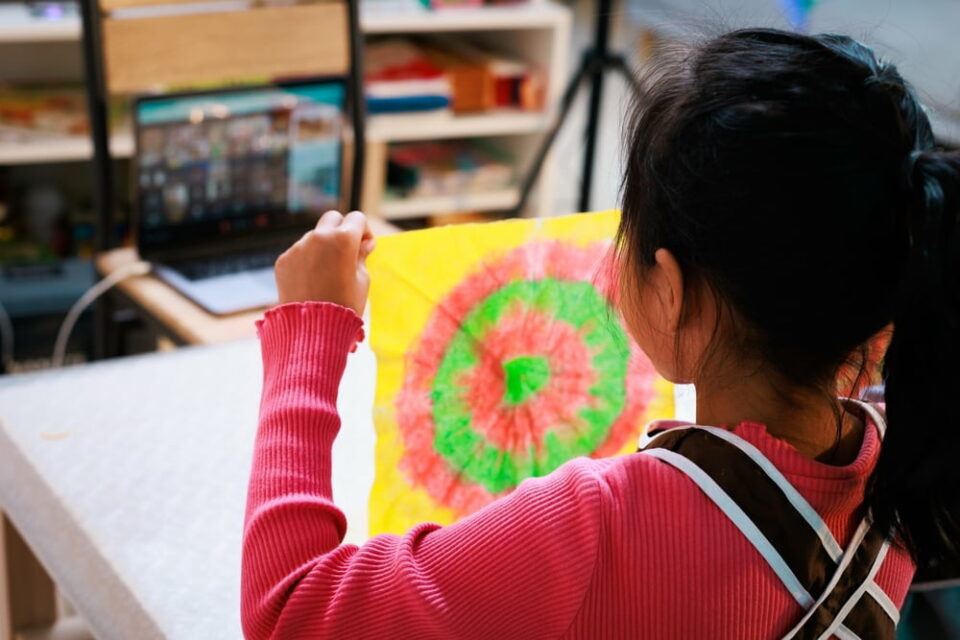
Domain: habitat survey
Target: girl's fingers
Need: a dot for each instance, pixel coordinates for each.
(357, 223)
(330, 220)
(367, 246)
(358, 220)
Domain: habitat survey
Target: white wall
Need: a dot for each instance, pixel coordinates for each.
(921, 36)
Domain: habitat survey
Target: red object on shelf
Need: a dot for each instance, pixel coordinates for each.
(400, 77)
(417, 69)
(398, 60)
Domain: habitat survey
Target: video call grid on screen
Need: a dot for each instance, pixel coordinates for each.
(216, 163)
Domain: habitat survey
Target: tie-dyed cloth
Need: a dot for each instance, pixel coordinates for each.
(500, 355)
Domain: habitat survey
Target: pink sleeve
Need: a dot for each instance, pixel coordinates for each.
(521, 565)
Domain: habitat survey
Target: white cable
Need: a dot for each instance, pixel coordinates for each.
(6, 339)
(91, 294)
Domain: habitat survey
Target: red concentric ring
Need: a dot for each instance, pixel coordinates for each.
(521, 332)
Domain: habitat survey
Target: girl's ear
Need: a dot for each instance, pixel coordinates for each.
(669, 289)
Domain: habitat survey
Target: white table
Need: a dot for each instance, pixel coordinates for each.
(128, 479)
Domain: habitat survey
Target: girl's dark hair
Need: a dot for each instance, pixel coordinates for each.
(797, 178)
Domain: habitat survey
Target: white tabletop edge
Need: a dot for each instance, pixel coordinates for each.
(50, 535)
(63, 471)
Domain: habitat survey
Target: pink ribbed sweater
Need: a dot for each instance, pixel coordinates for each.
(625, 547)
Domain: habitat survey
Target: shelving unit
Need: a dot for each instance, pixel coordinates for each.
(443, 124)
(35, 149)
(538, 33)
(49, 149)
(41, 49)
(400, 208)
(18, 25)
(46, 184)
(534, 15)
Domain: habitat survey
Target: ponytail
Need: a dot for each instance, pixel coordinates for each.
(771, 164)
(915, 489)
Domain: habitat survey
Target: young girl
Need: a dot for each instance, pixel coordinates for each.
(783, 205)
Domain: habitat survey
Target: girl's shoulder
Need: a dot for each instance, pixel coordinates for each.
(646, 481)
(630, 480)
(612, 484)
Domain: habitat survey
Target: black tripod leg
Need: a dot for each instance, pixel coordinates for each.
(621, 66)
(590, 142)
(587, 67)
(601, 44)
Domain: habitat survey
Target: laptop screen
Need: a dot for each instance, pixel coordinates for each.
(228, 163)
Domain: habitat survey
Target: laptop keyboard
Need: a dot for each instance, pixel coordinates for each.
(203, 268)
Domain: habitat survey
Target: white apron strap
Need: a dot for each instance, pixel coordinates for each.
(786, 530)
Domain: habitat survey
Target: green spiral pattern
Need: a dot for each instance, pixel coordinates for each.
(578, 304)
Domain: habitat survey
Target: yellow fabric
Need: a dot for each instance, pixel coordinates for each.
(410, 273)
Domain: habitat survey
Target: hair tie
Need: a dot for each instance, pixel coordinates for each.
(931, 191)
(927, 215)
(910, 166)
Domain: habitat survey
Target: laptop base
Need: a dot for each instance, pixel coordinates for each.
(225, 294)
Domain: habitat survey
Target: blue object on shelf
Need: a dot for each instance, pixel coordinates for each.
(412, 103)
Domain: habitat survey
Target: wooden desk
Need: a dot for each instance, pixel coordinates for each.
(172, 312)
(176, 315)
(127, 479)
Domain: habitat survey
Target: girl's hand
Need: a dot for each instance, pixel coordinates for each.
(327, 263)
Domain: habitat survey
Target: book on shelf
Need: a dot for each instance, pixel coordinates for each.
(399, 77)
(516, 85)
(26, 112)
(31, 113)
(440, 72)
(448, 168)
(483, 78)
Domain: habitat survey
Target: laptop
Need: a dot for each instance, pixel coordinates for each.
(224, 181)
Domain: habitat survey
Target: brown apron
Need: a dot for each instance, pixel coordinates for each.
(835, 586)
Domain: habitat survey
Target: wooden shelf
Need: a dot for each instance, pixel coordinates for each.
(535, 15)
(18, 25)
(416, 207)
(382, 128)
(60, 149)
(444, 124)
(537, 32)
